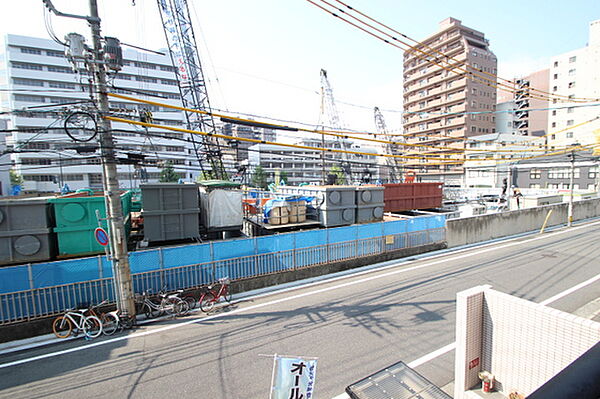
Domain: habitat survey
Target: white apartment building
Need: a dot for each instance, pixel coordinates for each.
(306, 166)
(575, 75)
(39, 79)
(490, 156)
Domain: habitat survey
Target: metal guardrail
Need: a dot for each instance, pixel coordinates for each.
(42, 302)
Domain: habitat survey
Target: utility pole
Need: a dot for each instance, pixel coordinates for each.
(114, 211)
(571, 178)
(111, 184)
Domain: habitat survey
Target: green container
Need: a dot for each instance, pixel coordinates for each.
(75, 217)
(136, 200)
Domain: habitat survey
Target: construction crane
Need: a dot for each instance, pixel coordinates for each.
(393, 167)
(177, 24)
(331, 119)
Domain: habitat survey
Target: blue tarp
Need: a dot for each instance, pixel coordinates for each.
(16, 278)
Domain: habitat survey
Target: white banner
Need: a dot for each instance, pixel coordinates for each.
(293, 378)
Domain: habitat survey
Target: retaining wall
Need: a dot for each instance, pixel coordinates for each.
(487, 227)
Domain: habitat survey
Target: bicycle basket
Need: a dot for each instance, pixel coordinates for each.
(224, 280)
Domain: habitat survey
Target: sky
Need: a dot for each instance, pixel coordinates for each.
(263, 57)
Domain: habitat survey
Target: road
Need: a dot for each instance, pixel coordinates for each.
(355, 325)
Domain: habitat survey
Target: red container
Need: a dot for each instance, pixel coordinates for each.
(408, 196)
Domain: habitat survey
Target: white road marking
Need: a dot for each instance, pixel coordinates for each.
(291, 298)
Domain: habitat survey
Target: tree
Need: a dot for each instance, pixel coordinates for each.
(15, 178)
(283, 177)
(339, 175)
(204, 175)
(259, 178)
(168, 175)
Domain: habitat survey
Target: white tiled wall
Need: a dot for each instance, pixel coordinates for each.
(524, 344)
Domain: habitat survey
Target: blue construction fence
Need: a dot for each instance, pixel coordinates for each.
(47, 288)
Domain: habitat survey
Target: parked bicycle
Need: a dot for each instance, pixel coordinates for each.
(74, 321)
(115, 320)
(169, 304)
(211, 296)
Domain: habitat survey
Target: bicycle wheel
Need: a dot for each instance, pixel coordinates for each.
(148, 311)
(227, 294)
(191, 301)
(182, 308)
(110, 324)
(207, 302)
(171, 305)
(92, 327)
(62, 327)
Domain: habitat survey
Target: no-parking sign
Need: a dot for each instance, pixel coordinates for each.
(101, 236)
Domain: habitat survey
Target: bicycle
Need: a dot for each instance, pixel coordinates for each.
(73, 321)
(115, 320)
(211, 296)
(169, 304)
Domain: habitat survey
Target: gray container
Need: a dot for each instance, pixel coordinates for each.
(24, 214)
(221, 209)
(171, 225)
(24, 246)
(369, 213)
(25, 231)
(169, 197)
(369, 195)
(328, 196)
(337, 216)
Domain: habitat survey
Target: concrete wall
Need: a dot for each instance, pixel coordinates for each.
(522, 343)
(487, 227)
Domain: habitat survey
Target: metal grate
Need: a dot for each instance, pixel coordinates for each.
(395, 382)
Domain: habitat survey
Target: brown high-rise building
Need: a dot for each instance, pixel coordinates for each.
(449, 95)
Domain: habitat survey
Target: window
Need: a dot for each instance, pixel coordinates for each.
(73, 177)
(593, 172)
(554, 88)
(571, 72)
(39, 178)
(570, 122)
(473, 129)
(27, 50)
(474, 91)
(30, 99)
(22, 65)
(59, 69)
(553, 137)
(571, 85)
(569, 135)
(61, 85)
(555, 76)
(28, 82)
(535, 185)
(144, 65)
(58, 54)
(570, 110)
(572, 59)
(553, 112)
(553, 124)
(422, 105)
(146, 79)
(36, 161)
(535, 174)
(167, 68)
(555, 64)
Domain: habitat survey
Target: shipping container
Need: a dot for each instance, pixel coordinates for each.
(76, 220)
(26, 231)
(401, 197)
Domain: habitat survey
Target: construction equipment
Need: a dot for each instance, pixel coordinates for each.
(177, 24)
(390, 147)
(331, 119)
